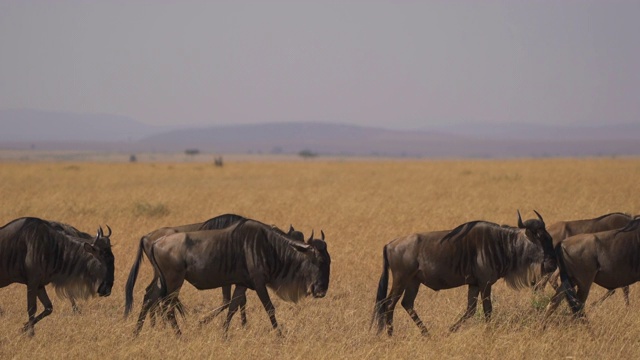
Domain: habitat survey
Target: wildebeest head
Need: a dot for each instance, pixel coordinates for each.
(536, 232)
(103, 267)
(319, 266)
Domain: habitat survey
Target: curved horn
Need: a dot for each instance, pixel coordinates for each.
(310, 237)
(322, 233)
(520, 224)
(539, 217)
(109, 234)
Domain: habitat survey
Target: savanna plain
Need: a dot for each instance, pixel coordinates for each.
(360, 205)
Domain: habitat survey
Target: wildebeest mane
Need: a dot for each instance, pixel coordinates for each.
(221, 221)
(498, 247)
(71, 268)
(278, 256)
(631, 226)
(611, 214)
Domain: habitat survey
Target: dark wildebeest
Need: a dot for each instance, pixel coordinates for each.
(34, 253)
(218, 222)
(250, 254)
(610, 259)
(564, 229)
(476, 254)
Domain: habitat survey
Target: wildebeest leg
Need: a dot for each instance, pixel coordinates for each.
(32, 307)
(226, 300)
(74, 306)
(235, 303)
(407, 303)
(241, 294)
(150, 302)
(472, 304)
(487, 307)
(553, 279)
(553, 305)
(625, 292)
(46, 302)
(605, 297)
(171, 313)
(268, 306)
(391, 301)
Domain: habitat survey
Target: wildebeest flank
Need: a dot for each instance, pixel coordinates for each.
(34, 253)
(218, 222)
(476, 254)
(249, 254)
(610, 259)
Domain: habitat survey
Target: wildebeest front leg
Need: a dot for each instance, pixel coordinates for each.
(268, 306)
(32, 307)
(487, 307)
(46, 302)
(472, 304)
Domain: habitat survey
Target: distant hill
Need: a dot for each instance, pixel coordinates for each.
(24, 129)
(24, 125)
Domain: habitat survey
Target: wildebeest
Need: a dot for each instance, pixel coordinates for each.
(476, 254)
(610, 259)
(218, 222)
(250, 254)
(564, 229)
(35, 253)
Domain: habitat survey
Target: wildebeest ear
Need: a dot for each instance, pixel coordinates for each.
(300, 246)
(291, 229)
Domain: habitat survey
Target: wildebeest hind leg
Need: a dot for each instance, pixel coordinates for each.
(407, 303)
(236, 302)
(472, 304)
(391, 301)
(149, 303)
(173, 302)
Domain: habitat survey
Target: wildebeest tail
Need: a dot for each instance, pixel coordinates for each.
(131, 280)
(383, 285)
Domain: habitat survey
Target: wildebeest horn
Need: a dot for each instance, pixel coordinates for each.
(520, 224)
(310, 237)
(539, 217)
(291, 229)
(109, 234)
(322, 234)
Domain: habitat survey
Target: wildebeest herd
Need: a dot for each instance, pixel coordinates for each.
(231, 250)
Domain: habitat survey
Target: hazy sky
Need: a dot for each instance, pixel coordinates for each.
(406, 64)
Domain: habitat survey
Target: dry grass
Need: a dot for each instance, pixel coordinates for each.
(360, 205)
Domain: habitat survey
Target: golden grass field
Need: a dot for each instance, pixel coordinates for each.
(360, 205)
